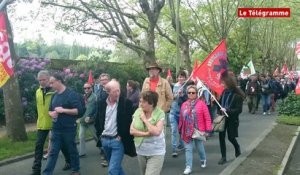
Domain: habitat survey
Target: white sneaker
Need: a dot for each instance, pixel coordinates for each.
(203, 163)
(187, 170)
(264, 113)
(269, 113)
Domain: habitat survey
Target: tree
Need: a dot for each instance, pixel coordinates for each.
(12, 99)
(117, 20)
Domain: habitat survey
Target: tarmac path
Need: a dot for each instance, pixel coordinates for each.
(251, 127)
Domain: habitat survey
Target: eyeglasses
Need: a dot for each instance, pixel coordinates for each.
(87, 87)
(191, 92)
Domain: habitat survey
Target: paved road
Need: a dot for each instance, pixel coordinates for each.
(294, 165)
(251, 126)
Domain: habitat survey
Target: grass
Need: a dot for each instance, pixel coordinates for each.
(10, 149)
(289, 120)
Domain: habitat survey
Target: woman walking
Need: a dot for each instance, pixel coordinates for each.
(194, 114)
(232, 102)
(147, 128)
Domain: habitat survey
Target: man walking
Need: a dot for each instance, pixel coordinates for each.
(44, 123)
(64, 108)
(113, 124)
(87, 121)
(160, 85)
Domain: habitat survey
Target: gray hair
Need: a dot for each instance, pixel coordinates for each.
(105, 75)
(43, 72)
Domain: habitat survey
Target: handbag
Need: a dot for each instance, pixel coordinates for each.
(219, 123)
(198, 135)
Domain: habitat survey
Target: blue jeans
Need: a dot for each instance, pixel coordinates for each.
(174, 120)
(189, 151)
(114, 151)
(58, 140)
(266, 100)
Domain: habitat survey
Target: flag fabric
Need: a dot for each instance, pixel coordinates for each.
(212, 67)
(297, 50)
(6, 68)
(90, 80)
(169, 74)
(247, 70)
(284, 69)
(276, 72)
(196, 64)
(297, 89)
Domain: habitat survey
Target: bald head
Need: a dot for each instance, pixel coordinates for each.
(113, 89)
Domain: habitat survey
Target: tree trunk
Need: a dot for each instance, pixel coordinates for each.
(15, 126)
(185, 51)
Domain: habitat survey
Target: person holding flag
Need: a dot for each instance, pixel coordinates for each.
(232, 103)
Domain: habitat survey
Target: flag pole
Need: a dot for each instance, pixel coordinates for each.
(212, 96)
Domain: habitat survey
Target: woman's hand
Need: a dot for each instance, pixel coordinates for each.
(223, 110)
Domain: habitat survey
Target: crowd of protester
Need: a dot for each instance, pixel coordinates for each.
(133, 124)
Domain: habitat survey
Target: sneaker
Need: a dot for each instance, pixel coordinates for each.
(104, 163)
(269, 113)
(180, 148)
(82, 156)
(187, 170)
(222, 161)
(264, 113)
(66, 167)
(102, 157)
(174, 154)
(203, 163)
(45, 156)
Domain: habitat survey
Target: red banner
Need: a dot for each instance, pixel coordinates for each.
(6, 69)
(297, 90)
(212, 67)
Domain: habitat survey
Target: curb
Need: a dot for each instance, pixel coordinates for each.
(27, 156)
(232, 166)
(288, 153)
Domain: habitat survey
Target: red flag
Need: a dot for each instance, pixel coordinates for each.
(297, 90)
(212, 67)
(194, 69)
(90, 80)
(276, 72)
(284, 69)
(169, 73)
(6, 68)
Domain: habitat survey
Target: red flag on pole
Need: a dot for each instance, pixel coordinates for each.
(297, 90)
(6, 68)
(90, 80)
(169, 74)
(196, 64)
(284, 69)
(212, 67)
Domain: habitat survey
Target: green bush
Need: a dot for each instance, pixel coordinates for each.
(290, 106)
(75, 76)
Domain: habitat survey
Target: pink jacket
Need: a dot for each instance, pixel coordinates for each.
(202, 118)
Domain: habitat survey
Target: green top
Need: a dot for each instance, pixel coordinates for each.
(156, 116)
(91, 109)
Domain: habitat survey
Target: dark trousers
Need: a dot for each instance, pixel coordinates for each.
(252, 100)
(231, 130)
(39, 150)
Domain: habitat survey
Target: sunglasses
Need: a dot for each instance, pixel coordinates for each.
(191, 92)
(87, 87)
